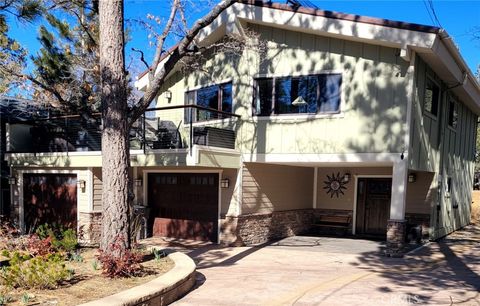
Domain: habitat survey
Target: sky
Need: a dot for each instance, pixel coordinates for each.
(459, 18)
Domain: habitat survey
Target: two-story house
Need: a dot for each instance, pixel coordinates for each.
(343, 115)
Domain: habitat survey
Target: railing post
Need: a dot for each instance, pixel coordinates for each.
(191, 131)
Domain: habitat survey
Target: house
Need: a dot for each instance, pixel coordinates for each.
(349, 116)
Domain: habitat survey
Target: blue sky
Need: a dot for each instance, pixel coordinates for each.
(459, 18)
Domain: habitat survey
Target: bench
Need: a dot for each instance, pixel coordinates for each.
(333, 221)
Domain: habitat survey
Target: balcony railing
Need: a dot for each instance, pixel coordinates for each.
(163, 128)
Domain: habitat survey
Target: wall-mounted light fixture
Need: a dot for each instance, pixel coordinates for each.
(168, 95)
(412, 178)
(346, 177)
(81, 184)
(138, 183)
(225, 183)
(12, 180)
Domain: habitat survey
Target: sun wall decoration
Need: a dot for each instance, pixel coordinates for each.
(335, 185)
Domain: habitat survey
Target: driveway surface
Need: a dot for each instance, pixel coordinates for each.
(335, 271)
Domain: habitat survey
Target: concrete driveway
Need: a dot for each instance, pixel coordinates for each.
(331, 271)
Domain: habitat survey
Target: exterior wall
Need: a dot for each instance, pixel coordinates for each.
(272, 188)
(374, 96)
(449, 153)
(346, 201)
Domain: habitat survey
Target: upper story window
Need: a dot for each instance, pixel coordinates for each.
(310, 94)
(217, 97)
(452, 113)
(432, 95)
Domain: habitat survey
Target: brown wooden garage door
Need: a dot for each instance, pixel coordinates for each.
(184, 205)
(50, 198)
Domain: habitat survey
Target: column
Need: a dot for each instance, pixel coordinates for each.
(396, 224)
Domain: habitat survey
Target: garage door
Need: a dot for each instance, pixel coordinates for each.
(184, 205)
(50, 198)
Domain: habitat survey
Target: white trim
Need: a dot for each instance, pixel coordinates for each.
(164, 151)
(298, 117)
(73, 153)
(212, 83)
(296, 73)
(217, 149)
(20, 174)
(355, 195)
(214, 171)
(213, 122)
(240, 190)
(315, 187)
(387, 158)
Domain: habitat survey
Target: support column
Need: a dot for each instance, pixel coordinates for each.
(396, 224)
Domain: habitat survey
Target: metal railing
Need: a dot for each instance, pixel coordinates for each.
(172, 127)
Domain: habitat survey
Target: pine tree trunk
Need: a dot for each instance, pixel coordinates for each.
(115, 144)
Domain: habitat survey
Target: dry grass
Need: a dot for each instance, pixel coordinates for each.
(476, 207)
(88, 284)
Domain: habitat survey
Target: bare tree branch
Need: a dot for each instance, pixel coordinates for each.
(173, 58)
(161, 38)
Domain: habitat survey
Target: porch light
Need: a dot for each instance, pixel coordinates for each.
(12, 180)
(225, 183)
(168, 95)
(81, 184)
(138, 183)
(412, 178)
(346, 177)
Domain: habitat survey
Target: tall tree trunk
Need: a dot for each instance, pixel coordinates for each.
(115, 144)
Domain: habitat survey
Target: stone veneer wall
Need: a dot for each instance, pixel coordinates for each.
(89, 228)
(260, 228)
(422, 220)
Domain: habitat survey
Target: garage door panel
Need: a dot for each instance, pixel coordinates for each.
(184, 205)
(50, 198)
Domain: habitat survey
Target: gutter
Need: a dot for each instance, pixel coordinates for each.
(452, 48)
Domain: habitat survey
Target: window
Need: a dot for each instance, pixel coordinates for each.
(432, 94)
(217, 97)
(452, 113)
(298, 95)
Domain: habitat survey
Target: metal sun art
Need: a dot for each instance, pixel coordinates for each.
(335, 185)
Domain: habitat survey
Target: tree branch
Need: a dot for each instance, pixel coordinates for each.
(173, 58)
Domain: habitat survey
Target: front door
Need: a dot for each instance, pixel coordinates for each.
(373, 206)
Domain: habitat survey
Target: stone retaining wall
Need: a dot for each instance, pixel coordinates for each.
(260, 228)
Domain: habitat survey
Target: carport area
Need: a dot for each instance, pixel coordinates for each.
(334, 271)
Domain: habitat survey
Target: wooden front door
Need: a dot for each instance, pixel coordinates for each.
(50, 198)
(373, 206)
(184, 205)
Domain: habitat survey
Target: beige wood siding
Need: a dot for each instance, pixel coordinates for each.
(421, 194)
(97, 189)
(268, 188)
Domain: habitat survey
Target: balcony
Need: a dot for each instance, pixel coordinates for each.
(183, 130)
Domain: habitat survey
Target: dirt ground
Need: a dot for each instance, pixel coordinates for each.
(476, 207)
(88, 284)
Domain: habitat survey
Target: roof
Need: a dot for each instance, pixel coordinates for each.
(343, 16)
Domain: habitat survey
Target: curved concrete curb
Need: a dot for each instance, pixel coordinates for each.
(160, 291)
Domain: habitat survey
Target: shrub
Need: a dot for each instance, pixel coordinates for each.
(61, 239)
(123, 265)
(41, 272)
(37, 246)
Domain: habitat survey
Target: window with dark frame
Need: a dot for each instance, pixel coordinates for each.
(309, 94)
(452, 113)
(218, 97)
(431, 97)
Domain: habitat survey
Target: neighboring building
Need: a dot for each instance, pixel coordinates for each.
(346, 116)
